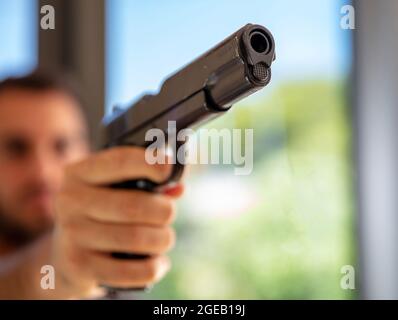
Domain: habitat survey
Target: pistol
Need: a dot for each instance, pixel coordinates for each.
(202, 90)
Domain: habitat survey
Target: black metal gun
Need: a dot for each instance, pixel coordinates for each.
(203, 90)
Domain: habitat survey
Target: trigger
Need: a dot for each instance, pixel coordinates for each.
(177, 170)
(175, 176)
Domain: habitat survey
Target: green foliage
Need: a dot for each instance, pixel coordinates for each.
(294, 240)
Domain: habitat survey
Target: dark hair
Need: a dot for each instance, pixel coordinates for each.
(40, 81)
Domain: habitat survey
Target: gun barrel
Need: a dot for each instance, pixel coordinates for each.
(207, 87)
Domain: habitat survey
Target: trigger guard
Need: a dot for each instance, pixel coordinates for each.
(149, 185)
(177, 171)
(175, 176)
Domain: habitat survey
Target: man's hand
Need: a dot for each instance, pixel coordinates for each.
(93, 220)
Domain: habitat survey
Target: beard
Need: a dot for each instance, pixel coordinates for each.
(16, 234)
(20, 221)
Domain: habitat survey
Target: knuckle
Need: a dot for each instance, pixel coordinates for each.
(124, 272)
(77, 257)
(73, 171)
(150, 270)
(170, 236)
(70, 227)
(119, 157)
(67, 202)
(164, 240)
(169, 211)
(129, 206)
(137, 239)
(133, 237)
(122, 156)
(136, 206)
(164, 170)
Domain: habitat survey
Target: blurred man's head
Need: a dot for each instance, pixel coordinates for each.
(42, 128)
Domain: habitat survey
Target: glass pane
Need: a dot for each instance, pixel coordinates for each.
(18, 36)
(285, 230)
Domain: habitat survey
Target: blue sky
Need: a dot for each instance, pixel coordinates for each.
(148, 40)
(17, 37)
(151, 39)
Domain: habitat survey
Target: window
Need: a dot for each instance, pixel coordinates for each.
(285, 231)
(18, 37)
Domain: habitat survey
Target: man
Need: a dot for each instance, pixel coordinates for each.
(55, 208)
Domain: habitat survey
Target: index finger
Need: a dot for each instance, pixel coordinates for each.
(118, 164)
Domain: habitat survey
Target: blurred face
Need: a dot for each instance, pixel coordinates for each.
(40, 132)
